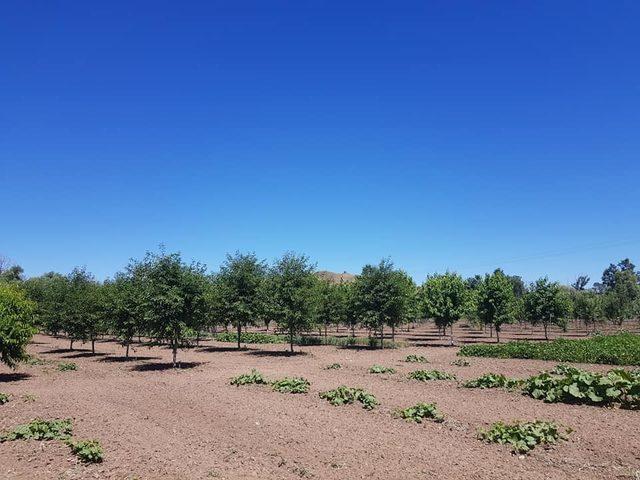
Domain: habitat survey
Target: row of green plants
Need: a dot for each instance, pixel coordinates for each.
(88, 451)
(618, 349)
(302, 340)
(173, 302)
(283, 385)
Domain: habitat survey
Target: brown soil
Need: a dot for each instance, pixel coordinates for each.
(158, 423)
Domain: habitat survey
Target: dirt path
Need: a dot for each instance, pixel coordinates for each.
(158, 423)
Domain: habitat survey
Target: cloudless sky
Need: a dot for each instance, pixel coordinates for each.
(458, 135)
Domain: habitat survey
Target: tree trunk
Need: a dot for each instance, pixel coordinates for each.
(127, 352)
(382, 336)
(353, 331)
(546, 336)
(291, 339)
(239, 334)
(174, 348)
(93, 346)
(325, 333)
(491, 330)
(451, 336)
(71, 345)
(393, 333)
(498, 334)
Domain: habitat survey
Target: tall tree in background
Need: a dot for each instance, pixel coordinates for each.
(239, 282)
(587, 306)
(445, 299)
(291, 294)
(16, 323)
(174, 296)
(581, 282)
(49, 292)
(124, 306)
(547, 304)
(331, 302)
(82, 316)
(496, 301)
(622, 300)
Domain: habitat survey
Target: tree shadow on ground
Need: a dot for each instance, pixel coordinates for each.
(14, 377)
(161, 366)
(277, 353)
(123, 359)
(223, 349)
(66, 350)
(85, 355)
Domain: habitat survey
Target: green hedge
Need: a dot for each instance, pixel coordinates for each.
(618, 349)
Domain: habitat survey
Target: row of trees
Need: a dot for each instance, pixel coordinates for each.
(166, 299)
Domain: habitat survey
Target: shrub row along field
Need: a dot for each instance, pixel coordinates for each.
(619, 349)
(302, 340)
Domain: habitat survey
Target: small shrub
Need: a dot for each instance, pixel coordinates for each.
(415, 359)
(572, 385)
(460, 363)
(40, 430)
(4, 398)
(492, 380)
(523, 437)
(88, 451)
(67, 366)
(32, 360)
(421, 411)
(426, 375)
(291, 385)
(381, 369)
(346, 395)
(28, 397)
(255, 377)
(333, 366)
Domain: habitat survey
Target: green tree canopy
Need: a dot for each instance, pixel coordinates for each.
(17, 315)
(445, 299)
(547, 303)
(291, 294)
(496, 301)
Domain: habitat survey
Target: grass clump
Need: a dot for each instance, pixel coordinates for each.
(381, 369)
(255, 377)
(333, 366)
(88, 451)
(523, 436)
(572, 385)
(67, 366)
(426, 375)
(40, 430)
(291, 385)
(346, 395)
(4, 398)
(415, 359)
(421, 411)
(492, 380)
(460, 363)
(618, 349)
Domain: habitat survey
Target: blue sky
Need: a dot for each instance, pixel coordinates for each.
(446, 135)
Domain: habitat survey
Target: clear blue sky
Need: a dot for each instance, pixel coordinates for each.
(444, 134)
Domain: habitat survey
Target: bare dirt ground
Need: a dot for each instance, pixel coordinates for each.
(158, 423)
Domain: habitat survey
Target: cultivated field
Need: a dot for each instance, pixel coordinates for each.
(155, 422)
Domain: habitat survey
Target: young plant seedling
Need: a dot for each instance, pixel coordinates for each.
(4, 398)
(291, 385)
(67, 366)
(346, 395)
(333, 366)
(40, 430)
(381, 369)
(523, 436)
(255, 377)
(460, 363)
(426, 375)
(415, 359)
(88, 451)
(493, 380)
(421, 411)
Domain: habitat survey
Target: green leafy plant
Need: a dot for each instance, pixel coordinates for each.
(333, 366)
(381, 369)
(460, 363)
(571, 385)
(492, 380)
(250, 337)
(346, 395)
(415, 359)
(619, 349)
(88, 451)
(4, 398)
(67, 366)
(33, 360)
(40, 430)
(523, 436)
(255, 377)
(28, 397)
(291, 385)
(426, 375)
(421, 411)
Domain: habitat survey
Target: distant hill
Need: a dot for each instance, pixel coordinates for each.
(336, 277)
